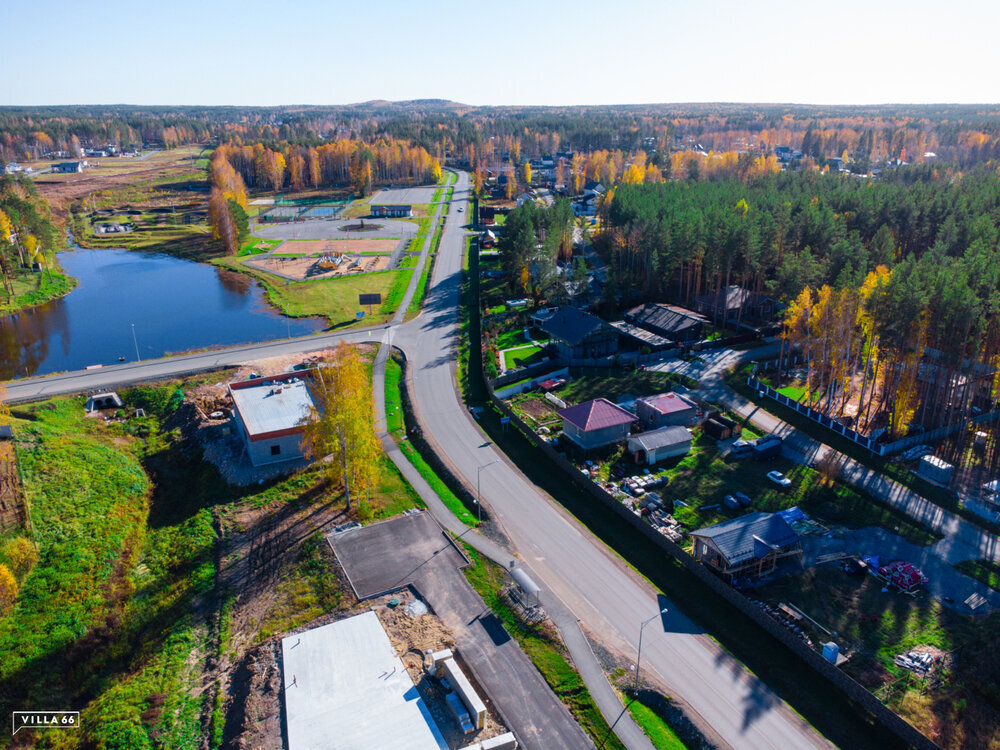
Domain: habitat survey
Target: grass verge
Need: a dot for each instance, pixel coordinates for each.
(395, 426)
(655, 727)
(546, 651)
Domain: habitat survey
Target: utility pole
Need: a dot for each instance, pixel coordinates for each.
(639, 656)
(479, 500)
(136, 343)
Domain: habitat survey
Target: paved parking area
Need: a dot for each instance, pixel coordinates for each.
(329, 229)
(393, 554)
(409, 195)
(414, 550)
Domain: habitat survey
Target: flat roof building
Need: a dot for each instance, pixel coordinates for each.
(270, 414)
(346, 688)
(391, 211)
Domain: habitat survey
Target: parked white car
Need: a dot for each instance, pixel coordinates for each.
(778, 478)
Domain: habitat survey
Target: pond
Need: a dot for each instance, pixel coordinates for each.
(171, 306)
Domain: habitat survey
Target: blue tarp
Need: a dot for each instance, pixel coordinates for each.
(793, 514)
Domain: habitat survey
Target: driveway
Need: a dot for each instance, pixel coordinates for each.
(414, 550)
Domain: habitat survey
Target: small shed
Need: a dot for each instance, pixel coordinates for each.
(935, 469)
(106, 400)
(657, 445)
(6, 432)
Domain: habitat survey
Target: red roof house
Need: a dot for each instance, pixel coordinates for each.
(666, 409)
(597, 423)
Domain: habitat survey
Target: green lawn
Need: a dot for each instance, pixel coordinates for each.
(544, 649)
(335, 299)
(794, 392)
(658, 731)
(522, 356)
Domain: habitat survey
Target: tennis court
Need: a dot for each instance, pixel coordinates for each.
(323, 211)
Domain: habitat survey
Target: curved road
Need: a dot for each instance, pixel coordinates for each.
(589, 580)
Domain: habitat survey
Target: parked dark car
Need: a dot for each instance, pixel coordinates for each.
(731, 502)
(742, 498)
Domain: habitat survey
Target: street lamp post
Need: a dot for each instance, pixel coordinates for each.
(639, 656)
(136, 343)
(479, 499)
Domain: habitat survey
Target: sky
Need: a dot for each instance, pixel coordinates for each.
(545, 52)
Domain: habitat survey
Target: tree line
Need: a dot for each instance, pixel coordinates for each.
(235, 169)
(29, 238)
(960, 134)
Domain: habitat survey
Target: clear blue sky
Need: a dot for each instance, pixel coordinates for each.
(507, 52)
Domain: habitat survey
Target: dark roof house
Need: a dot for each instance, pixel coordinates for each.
(597, 423)
(579, 335)
(748, 546)
(736, 303)
(669, 321)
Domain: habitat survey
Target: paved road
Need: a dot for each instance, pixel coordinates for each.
(588, 579)
(415, 550)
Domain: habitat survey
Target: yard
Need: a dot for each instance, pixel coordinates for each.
(955, 707)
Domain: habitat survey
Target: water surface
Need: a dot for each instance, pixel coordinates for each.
(175, 305)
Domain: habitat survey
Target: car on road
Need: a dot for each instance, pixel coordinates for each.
(778, 478)
(460, 209)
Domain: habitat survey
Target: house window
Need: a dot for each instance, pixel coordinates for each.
(275, 450)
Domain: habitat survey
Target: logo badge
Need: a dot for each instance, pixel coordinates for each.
(44, 720)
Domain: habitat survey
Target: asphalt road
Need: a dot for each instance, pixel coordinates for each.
(588, 579)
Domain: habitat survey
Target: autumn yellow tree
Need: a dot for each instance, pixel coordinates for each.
(340, 431)
(526, 172)
(21, 554)
(8, 589)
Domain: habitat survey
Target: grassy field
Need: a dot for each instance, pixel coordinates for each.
(335, 299)
(114, 618)
(545, 650)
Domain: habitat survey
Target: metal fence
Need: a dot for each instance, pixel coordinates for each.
(879, 449)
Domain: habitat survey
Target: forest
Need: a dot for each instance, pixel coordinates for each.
(891, 288)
